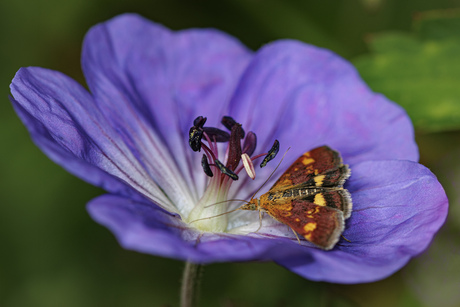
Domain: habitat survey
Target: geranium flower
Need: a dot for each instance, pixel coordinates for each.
(129, 134)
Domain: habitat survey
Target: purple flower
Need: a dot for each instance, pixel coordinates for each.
(129, 135)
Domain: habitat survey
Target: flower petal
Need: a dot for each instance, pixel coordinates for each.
(64, 122)
(162, 79)
(398, 207)
(145, 228)
(307, 97)
(383, 237)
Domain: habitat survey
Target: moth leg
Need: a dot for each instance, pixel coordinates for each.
(260, 220)
(198, 239)
(346, 239)
(298, 240)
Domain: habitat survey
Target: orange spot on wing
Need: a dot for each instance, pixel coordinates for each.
(310, 213)
(307, 161)
(319, 200)
(309, 227)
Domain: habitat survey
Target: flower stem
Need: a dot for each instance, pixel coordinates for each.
(190, 284)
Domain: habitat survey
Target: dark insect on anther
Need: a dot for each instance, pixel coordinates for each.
(204, 163)
(225, 170)
(271, 153)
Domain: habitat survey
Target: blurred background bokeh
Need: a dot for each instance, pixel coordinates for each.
(53, 254)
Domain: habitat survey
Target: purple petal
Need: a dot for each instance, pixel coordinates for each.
(146, 228)
(396, 215)
(398, 207)
(165, 79)
(306, 97)
(64, 122)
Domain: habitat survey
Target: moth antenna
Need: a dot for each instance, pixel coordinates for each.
(279, 163)
(346, 239)
(210, 217)
(224, 201)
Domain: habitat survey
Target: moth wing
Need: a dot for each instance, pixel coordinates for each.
(321, 166)
(334, 198)
(321, 225)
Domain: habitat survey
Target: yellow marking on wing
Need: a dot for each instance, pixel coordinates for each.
(307, 154)
(309, 227)
(307, 161)
(319, 180)
(311, 213)
(297, 219)
(319, 200)
(286, 209)
(316, 172)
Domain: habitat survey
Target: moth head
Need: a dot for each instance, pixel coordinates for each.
(252, 205)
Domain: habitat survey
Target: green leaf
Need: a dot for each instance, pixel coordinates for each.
(283, 19)
(438, 25)
(421, 72)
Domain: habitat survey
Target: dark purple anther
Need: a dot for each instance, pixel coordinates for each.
(194, 138)
(226, 170)
(271, 153)
(250, 143)
(199, 122)
(204, 163)
(217, 135)
(229, 122)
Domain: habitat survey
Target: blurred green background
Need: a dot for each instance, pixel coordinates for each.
(53, 254)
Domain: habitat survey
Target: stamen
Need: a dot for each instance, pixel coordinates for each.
(211, 144)
(194, 138)
(199, 122)
(229, 122)
(209, 151)
(207, 213)
(250, 142)
(216, 134)
(205, 165)
(225, 170)
(271, 153)
(248, 165)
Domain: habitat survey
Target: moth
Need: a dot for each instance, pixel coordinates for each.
(310, 198)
